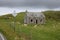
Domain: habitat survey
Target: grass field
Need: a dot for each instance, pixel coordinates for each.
(49, 31)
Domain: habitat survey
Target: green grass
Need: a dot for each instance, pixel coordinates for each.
(49, 31)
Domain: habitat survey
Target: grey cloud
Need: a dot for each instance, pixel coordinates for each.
(30, 3)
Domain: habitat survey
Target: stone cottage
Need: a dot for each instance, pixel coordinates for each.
(34, 18)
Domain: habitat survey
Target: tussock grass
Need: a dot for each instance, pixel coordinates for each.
(48, 31)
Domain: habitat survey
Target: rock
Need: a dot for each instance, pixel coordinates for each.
(35, 26)
(2, 37)
(25, 24)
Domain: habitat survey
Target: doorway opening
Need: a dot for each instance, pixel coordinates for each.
(36, 21)
(31, 20)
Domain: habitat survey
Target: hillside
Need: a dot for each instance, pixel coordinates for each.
(52, 15)
(49, 31)
(55, 15)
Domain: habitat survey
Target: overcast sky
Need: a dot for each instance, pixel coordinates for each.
(7, 6)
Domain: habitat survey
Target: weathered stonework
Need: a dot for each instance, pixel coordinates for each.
(34, 18)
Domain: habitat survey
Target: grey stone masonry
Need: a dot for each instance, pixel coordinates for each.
(34, 18)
